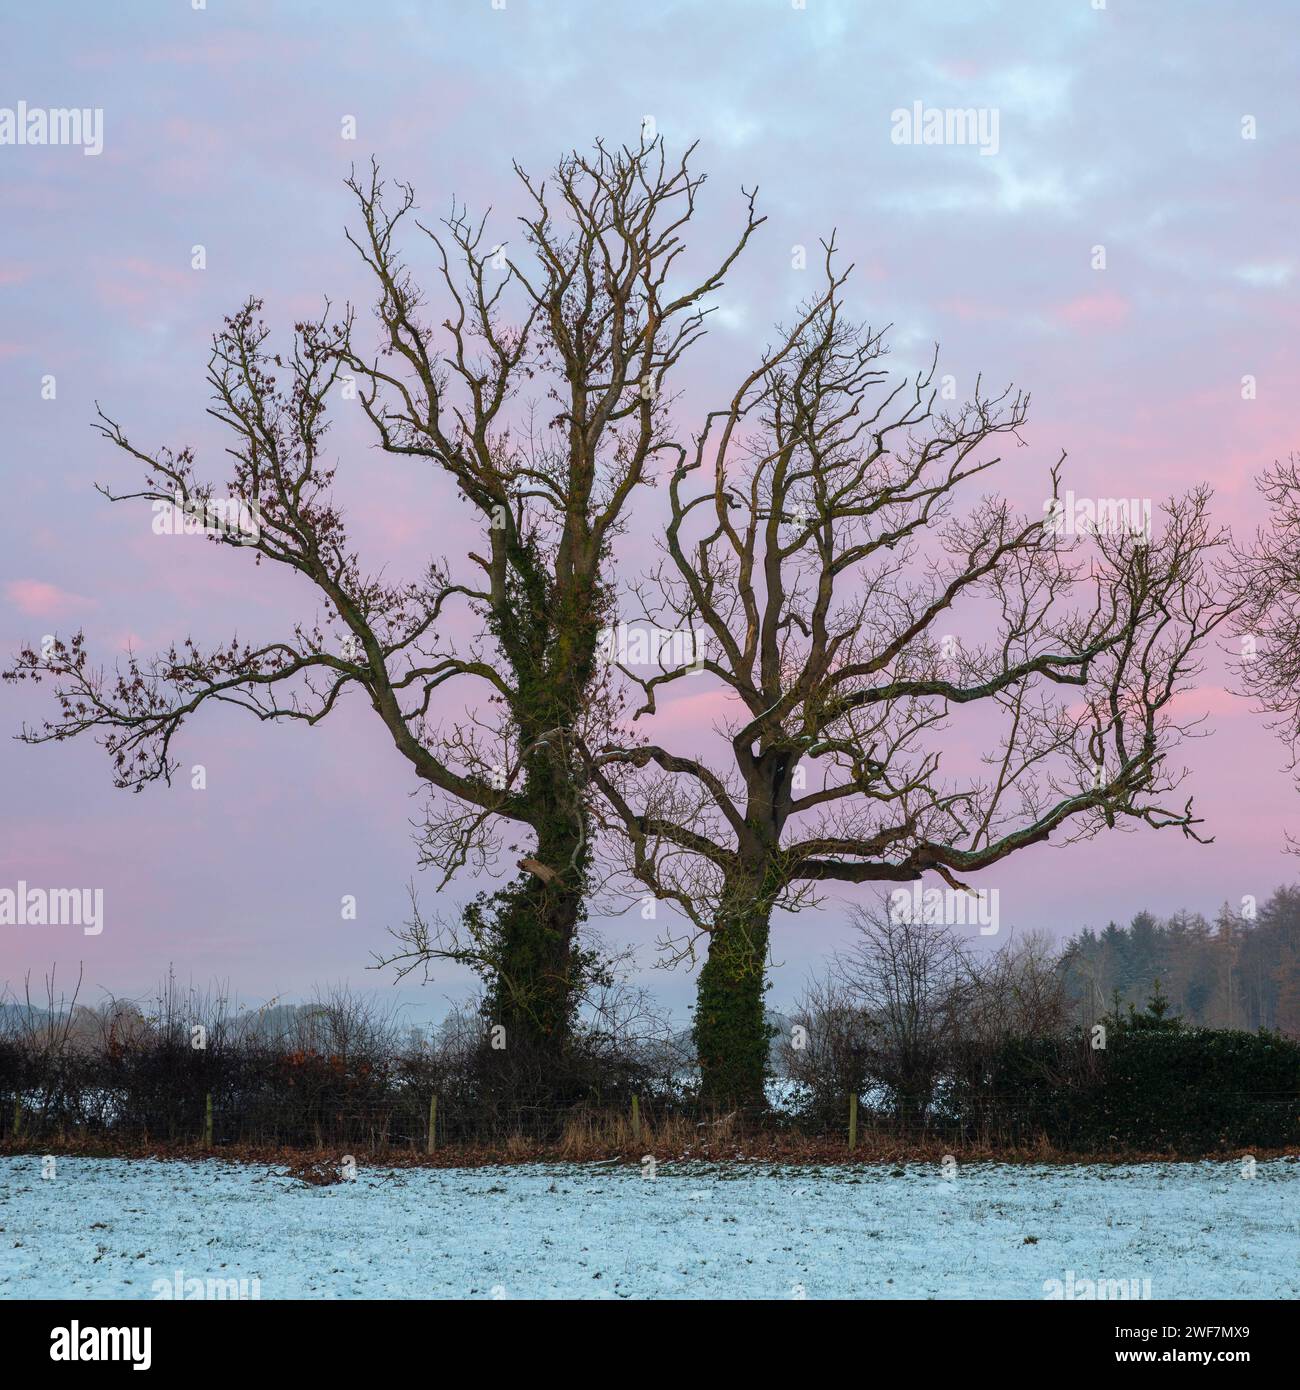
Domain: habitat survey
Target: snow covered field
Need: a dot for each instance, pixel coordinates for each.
(111, 1227)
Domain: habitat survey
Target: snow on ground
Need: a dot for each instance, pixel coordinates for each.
(107, 1228)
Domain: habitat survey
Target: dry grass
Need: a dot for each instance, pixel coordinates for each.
(608, 1139)
(599, 1136)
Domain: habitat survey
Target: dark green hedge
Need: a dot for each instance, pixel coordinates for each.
(1199, 1089)
(1162, 1089)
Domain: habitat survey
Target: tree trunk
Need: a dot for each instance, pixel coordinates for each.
(540, 971)
(731, 1031)
(536, 990)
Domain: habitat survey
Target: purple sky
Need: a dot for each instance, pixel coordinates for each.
(1119, 126)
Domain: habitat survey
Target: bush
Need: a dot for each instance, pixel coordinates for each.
(1197, 1090)
(1165, 1089)
(336, 1072)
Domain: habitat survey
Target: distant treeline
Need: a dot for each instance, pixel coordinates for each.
(336, 1071)
(1240, 971)
(1160, 1037)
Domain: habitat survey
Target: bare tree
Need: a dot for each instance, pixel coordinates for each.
(1268, 578)
(911, 1005)
(813, 543)
(541, 391)
(1019, 991)
(828, 1049)
(913, 979)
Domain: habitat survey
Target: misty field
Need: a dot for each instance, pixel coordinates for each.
(111, 1228)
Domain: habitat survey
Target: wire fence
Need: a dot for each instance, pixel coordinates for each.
(1178, 1091)
(426, 1122)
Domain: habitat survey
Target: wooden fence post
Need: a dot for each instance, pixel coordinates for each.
(207, 1121)
(853, 1121)
(636, 1117)
(433, 1125)
(18, 1116)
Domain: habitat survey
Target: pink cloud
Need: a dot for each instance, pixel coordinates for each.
(218, 52)
(137, 283)
(1208, 700)
(37, 599)
(149, 270)
(1105, 310)
(971, 309)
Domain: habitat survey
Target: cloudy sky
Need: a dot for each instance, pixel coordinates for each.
(1120, 126)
